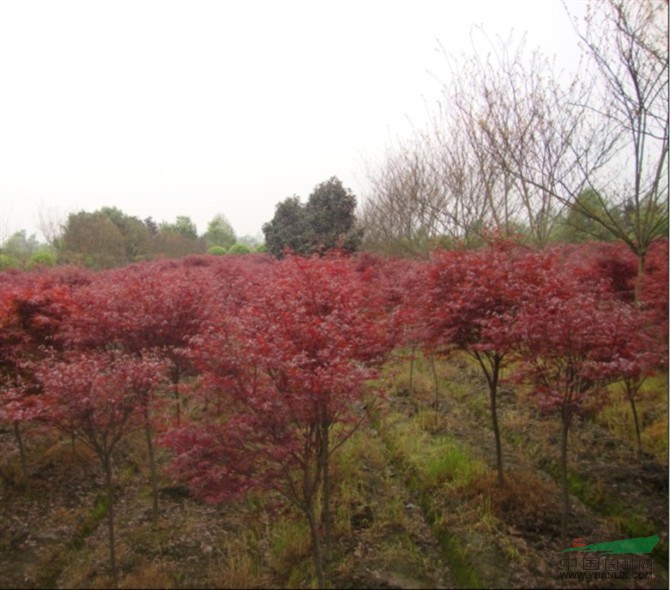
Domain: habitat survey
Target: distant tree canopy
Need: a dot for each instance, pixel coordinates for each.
(580, 223)
(108, 237)
(220, 232)
(182, 226)
(91, 239)
(22, 251)
(326, 221)
(18, 245)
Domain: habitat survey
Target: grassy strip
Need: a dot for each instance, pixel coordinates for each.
(432, 466)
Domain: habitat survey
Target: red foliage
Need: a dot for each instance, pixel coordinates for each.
(575, 341)
(291, 361)
(31, 318)
(96, 395)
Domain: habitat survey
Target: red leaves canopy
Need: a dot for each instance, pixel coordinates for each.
(293, 359)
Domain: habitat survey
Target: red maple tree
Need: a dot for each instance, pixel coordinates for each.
(290, 365)
(96, 395)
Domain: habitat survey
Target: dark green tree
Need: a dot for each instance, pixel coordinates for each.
(288, 228)
(326, 221)
(151, 225)
(331, 217)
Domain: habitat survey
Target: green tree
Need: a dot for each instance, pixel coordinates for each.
(182, 226)
(331, 217)
(326, 221)
(19, 246)
(177, 239)
(580, 223)
(220, 232)
(288, 228)
(135, 232)
(92, 239)
(151, 225)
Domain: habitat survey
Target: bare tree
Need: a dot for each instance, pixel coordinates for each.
(514, 143)
(626, 42)
(523, 120)
(499, 138)
(401, 214)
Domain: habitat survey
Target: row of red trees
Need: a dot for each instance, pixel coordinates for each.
(274, 357)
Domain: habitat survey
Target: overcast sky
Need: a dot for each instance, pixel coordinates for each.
(195, 107)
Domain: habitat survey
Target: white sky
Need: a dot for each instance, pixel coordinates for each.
(196, 107)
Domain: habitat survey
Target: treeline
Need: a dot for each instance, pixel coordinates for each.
(256, 370)
(108, 237)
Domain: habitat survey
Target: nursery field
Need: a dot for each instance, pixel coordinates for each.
(337, 421)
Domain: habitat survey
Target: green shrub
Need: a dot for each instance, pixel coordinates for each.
(217, 250)
(8, 262)
(42, 258)
(239, 249)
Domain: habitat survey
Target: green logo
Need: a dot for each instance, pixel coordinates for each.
(637, 545)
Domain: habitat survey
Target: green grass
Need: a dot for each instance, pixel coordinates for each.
(432, 460)
(651, 405)
(462, 567)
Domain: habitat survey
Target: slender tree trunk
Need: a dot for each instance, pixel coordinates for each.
(316, 544)
(492, 374)
(493, 394)
(641, 269)
(73, 437)
(436, 383)
(638, 435)
(411, 371)
(152, 468)
(324, 459)
(564, 476)
(632, 388)
(106, 463)
(22, 450)
(175, 384)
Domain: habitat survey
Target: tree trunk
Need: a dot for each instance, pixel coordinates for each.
(639, 279)
(411, 371)
(493, 393)
(316, 545)
(435, 380)
(22, 450)
(152, 469)
(632, 388)
(175, 384)
(564, 476)
(106, 463)
(492, 374)
(324, 460)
